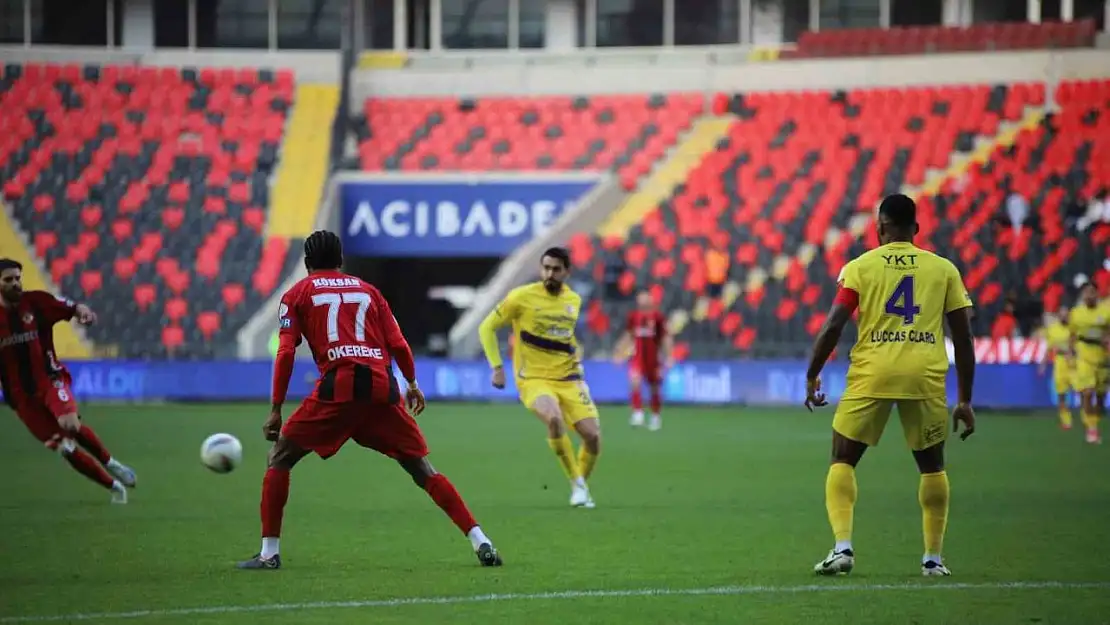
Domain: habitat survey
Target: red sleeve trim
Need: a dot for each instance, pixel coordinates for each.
(848, 298)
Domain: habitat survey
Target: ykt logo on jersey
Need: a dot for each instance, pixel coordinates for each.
(283, 319)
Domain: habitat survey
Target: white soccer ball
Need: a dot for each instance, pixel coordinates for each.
(221, 452)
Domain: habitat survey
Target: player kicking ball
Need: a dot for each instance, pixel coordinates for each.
(353, 337)
(645, 336)
(38, 387)
(903, 294)
(549, 374)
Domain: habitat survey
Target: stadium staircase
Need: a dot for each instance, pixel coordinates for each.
(144, 190)
(302, 173)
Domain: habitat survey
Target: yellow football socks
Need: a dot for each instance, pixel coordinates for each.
(933, 495)
(1065, 417)
(564, 451)
(1090, 419)
(586, 462)
(840, 499)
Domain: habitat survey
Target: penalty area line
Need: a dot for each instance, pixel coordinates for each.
(553, 596)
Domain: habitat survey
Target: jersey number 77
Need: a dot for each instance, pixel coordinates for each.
(901, 302)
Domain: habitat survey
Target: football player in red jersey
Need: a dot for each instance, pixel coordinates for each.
(354, 338)
(38, 387)
(646, 337)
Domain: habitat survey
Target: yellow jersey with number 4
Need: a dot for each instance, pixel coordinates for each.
(543, 327)
(904, 293)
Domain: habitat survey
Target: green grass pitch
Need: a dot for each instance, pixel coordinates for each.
(717, 518)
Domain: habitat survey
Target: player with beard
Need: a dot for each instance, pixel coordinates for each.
(38, 388)
(547, 366)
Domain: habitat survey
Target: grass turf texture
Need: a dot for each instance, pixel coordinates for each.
(719, 498)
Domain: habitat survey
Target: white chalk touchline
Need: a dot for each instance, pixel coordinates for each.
(554, 595)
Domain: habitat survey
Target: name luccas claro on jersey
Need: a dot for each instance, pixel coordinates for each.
(902, 262)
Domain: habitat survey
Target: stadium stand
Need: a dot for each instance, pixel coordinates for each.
(145, 191)
(785, 191)
(922, 40)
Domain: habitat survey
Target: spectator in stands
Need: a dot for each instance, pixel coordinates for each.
(1005, 324)
(1017, 211)
(1097, 211)
(1026, 312)
(716, 269)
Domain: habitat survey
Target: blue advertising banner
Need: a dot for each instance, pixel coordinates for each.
(451, 218)
(756, 383)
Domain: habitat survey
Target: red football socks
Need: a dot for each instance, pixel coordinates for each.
(443, 492)
(637, 399)
(90, 468)
(656, 400)
(275, 492)
(91, 442)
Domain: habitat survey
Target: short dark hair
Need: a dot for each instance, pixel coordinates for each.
(900, 210)
(8, 263)
(559, 253)
(323, 250)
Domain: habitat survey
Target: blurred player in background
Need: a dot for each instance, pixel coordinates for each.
(903, 294)
(646, 346)
(1057, 338)
(1089, 323)
(38, 387)
(354, 338)
(548, 368)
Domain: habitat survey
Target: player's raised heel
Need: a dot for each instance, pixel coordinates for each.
(119, 493)
(258, 563)
(932, 568)
(836, 563)
(123, 473)
(488, 556)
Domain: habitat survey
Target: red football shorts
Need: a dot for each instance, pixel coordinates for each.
(323, 427)
(647, 371)
(40, 414)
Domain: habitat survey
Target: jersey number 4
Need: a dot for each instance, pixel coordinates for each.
(901, 302)
(333, 301)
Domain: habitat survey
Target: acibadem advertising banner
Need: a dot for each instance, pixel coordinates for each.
(451, 217)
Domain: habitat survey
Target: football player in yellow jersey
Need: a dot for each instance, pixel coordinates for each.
(1057, 338)
(903, 294)
(1089, 323)
(548, 368)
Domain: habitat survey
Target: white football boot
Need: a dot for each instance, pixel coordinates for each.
(637, 419)
(655, 424)
(119, 493)
(580, 495)
(932, 568)
(836, 562)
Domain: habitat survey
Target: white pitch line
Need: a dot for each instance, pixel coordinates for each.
(555, 596)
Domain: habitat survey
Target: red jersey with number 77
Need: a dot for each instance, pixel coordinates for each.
(352, 333)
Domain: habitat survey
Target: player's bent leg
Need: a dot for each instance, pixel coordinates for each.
(857, 425)
(90, 442)
(933, 494)
(86, 465)
(547, 410)
(925, 422)
(284, 455)
(636, 384)
(447, 497)
(656, 422)
(589, 430)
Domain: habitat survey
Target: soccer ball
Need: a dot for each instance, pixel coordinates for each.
(221, 452)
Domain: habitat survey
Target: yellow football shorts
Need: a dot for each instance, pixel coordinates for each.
(1063, 378)
(1090, 376)
(573, 397)
(863, 419)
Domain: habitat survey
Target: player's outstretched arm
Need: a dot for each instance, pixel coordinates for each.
(503, 315)
(963, 346)
(825, 343)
